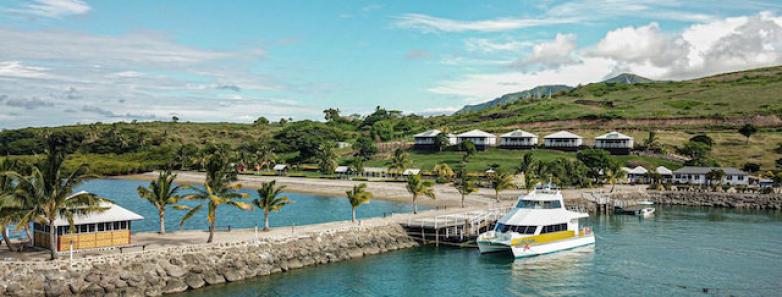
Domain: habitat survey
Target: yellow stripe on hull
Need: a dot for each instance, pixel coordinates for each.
(544, 238)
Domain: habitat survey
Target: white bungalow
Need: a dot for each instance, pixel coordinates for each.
(638, 175)
(108, 228)
(697, 175)
(481, 139)
(563, 140)
(425, 140)
(280, 169)
(518, 139)
(342, 170)
(375, 171)
(614, 142)
(667, 174)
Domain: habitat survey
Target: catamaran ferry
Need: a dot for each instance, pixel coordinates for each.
(539, 224)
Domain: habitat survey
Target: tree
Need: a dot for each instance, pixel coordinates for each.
(715, 175)
(614, 173)
(703, 138)
(469, 150)
(417, 186)
(444, 172)
(748, 130)
(358, 196)
(652, 143)
(751, 167)
(161, 193)
(261, 121)
(220, 188)
(365, 147)
(327, 159)
(269, 200)
(596, 161)
(695, 150)
(464, 184)
(49, 191)
(265, 156)
(399, 161)
(525, 166)
(9, 205)
(655, 179)
(441, 141)
(175, 119)
(501, 181)
(356, 164)
(331, 114)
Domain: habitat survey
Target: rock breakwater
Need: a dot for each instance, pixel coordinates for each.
(178, 269)
(711, 199)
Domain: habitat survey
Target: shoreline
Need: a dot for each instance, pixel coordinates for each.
(446, 195)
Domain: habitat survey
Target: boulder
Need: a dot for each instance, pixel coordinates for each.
(194, 281)
(174, 286)
(212, 278)
(233, 275)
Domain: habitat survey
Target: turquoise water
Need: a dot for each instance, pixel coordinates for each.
(679, 252)
(305, 209)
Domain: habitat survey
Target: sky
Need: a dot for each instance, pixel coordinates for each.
(83, 61)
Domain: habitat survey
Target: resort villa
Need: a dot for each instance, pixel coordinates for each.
(482, 140)
(697, 176)
(562, 140)
(665, 173)
(108, 228)
(614, 142)
(518, 139)
(426, 140)
(637, 175)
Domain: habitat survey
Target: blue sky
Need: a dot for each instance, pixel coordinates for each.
(80, 61)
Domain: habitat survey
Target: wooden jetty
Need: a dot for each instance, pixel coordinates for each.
(458, 229)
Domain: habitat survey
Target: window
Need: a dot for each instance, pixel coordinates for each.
(538, 204)
(554, 228)
(101, 227)
(123, 225)
(116, 225)
(91, 227)
(83, 229)
(502, 228)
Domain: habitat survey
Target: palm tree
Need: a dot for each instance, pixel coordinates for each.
(358, 196)
(715, 175)
(501, 181)
(269, 200)
(525, 167)
(464, 184)
(444, 172)
(219, 189)
(8, 203)
(48, 193)
(356, 164)
(418, 186)
(161, 193)
(266, 156)
(613, 173)
(327, 159)
(399, 162)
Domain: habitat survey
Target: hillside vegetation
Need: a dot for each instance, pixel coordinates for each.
(677, 111)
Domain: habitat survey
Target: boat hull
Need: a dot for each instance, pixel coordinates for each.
(486, 247)
(522, 251)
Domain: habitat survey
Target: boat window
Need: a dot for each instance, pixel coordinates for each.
(554, 228)
(538, 204)
(502, 228)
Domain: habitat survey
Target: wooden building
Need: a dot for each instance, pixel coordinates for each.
(108, 228)
(426, 140)
(482, 140)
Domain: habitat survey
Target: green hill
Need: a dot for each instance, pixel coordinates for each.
(628, 78)
(538, 92)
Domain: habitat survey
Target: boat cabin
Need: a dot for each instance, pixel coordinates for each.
(108, 228)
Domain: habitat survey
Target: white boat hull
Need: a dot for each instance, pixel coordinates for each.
(534, 250)
(487, 247)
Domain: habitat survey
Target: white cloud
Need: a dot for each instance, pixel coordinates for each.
(491, 46)
(20, 70)
(429, 24)
(643, 45)
(552, 53)
(52, 8)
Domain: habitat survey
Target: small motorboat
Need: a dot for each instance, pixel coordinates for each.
(646, 202)
(635, 210)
